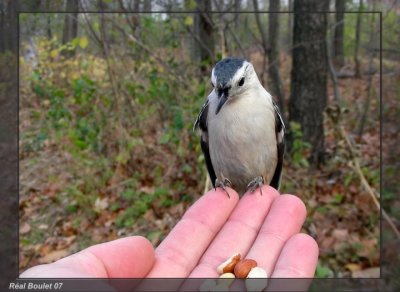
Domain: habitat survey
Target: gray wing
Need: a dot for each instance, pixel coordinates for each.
(201, 122)
(280, 140)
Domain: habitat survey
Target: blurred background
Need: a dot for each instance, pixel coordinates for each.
(107, 103)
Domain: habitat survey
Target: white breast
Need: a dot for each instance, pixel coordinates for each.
(242, 138)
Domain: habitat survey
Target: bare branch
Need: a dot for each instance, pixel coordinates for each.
(332, 71)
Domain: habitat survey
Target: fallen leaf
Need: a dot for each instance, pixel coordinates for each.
(100, 204)
(97, 235)
(51, 190)
(85, 223)
(36, 200)
(363, 202)
(68, 229)
(65, 242)
(108, 223)
(149, 216)
(25, 228)
(353, 267)
(43, 226)
(369, 247)
(23, 261)
(326, 242)
(340, 234)
(147, 190)
(53, 256)
(37, 247)
(45, 249)
(177, 209)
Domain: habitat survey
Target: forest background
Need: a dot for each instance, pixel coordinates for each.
(107, 103)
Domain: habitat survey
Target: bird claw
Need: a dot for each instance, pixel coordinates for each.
(223, 184)
(255, 183)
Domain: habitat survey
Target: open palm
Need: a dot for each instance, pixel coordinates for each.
(264, 227)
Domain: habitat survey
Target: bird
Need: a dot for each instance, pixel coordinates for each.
(242, 130)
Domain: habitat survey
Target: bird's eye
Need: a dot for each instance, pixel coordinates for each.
(241, 81)
(212, 84)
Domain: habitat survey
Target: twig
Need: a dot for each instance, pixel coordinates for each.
(373, 193)
(291, 179)
(89, 25)
(228, 27)
(151, 53)
(237, 41)
(106, 54)
(332, 72)
(198, 40)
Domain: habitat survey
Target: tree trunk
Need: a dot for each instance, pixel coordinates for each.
(273, 55)
(103, 26)
(8, 141)
(3, 27)
(290, 23)
(371, 73)
(308, 97)
(70, 24)
(357, 42)
(338, 44)
(204, 32)
(8, 26)
(48, 27)
(264, 39)
(147, 6)
(236, 7)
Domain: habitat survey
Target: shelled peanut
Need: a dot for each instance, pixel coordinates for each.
(235, 267)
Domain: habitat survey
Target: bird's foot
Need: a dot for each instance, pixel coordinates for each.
(223, 184)
(255, 183)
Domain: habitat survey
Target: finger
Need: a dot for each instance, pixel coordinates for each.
(238, 233)
(298, 258)
(285, 219)
(130, 257)
(179, 253)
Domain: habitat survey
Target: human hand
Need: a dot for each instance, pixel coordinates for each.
(261, 227)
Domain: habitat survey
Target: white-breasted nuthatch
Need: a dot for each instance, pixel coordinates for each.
(242, 131)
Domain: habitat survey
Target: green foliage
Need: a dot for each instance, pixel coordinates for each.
(349, 177)
(299, 146)
(372, 175)
(323, 271)
(190, 5)
(130, 214)
(139, 203)
(34, 141)
(188, 21)
(390, 22)
(338, 198)
(350, 31)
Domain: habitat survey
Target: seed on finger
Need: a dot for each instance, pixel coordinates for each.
(234, 267)
(256, 279)
(229, 265)
(226, 279)
(243, 267)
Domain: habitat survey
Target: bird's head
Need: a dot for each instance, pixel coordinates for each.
(231, 77)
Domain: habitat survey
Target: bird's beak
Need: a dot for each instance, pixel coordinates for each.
(223, 98)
